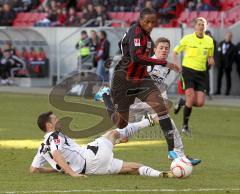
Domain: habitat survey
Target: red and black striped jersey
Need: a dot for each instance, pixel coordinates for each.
(138, 46)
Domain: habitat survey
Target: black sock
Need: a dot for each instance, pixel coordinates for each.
(186, 114)
(109, 105)
(182, 102)
(167, 128)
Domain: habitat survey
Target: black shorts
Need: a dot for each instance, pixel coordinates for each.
(194, 79)
(125, 91)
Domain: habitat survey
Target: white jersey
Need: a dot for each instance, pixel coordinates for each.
(158, 73)
(73, 153)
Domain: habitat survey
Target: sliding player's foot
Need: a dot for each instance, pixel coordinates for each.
(180, 103)
(149, 117)
(99, 95)
(166, 174)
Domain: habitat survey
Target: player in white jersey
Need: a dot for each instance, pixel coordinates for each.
(161, 75)
(64, 155)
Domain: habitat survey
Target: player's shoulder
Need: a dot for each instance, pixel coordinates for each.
(135, 28)
(51, 136)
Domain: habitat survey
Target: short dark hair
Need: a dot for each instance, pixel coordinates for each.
(103, 33)
(162, 39)
(43, 118)
(84, 32)
(146, 11)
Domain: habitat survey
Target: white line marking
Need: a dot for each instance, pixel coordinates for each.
(125, 190)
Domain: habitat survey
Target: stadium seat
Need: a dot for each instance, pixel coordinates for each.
(204, 14)
(112, 15)
(135, 16)
(128, 17)
(22, 19)
(183, 17)
(214, 17)
(192, 15)
(120, 15)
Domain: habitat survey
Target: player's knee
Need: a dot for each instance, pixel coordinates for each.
(162, 112)
(122, 124)
(200, 104)
(113, 134)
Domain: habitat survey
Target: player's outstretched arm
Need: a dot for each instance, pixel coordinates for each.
(33, 169)
(63, 164)
(174, 67)
(175, 57)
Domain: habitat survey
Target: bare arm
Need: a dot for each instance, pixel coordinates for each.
(211, 61)
(63, 164)
(33, 169)
(175, 58)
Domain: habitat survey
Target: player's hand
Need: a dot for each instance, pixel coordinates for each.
(174, 67)
(211, 61)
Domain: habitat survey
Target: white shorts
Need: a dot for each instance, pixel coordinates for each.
(102, 162)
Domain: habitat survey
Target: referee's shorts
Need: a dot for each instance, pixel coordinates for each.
(194, 79)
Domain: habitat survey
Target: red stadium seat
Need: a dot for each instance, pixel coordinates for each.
(128, 16)
(192, 16)
(22, 19)
(112, 15)
(135, 16)
(214, 17)
(204, 14)
(183, 17)
(120, 15)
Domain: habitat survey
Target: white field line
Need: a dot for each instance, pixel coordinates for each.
(126, 190)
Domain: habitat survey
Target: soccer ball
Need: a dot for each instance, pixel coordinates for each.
(181, 167)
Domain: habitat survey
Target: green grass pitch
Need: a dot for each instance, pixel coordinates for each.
(216, 140)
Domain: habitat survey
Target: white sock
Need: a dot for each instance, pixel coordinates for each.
(133, 128)
(178, 145)
(148, 171)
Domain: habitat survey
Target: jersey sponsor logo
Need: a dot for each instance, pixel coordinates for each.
(57, 141)
(149, 45)
(205, 52)
(137, 42)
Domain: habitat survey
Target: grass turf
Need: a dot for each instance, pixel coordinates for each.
(215, 140)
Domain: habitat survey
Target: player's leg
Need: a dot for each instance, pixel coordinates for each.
(181, 101)
(157, 103)
(190, 100)
(136, 168)
(120, 119)
(132, 128)
(179, 146)
(118, 103)
(199, 98)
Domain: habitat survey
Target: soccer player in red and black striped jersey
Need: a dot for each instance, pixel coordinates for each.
(131, 80)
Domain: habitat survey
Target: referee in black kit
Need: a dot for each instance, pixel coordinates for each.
(131, 80)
